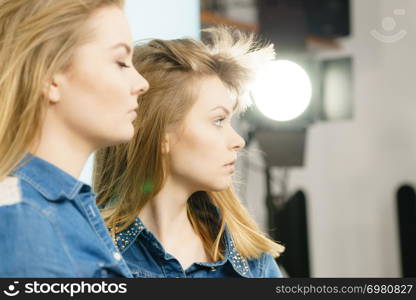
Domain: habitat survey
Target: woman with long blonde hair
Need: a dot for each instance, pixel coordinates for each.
(167, 196)
(67, 88)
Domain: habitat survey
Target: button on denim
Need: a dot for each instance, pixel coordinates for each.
(51, 226)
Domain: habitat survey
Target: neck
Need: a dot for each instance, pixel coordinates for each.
(62, 149)
(165, 215)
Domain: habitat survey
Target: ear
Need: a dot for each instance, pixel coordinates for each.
(51, 90)
(166, 144)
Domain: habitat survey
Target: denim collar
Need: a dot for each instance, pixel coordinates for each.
(53, 183)
(126, 238)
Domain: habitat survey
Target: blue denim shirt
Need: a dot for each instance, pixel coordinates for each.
(50, 226)
(146, 257)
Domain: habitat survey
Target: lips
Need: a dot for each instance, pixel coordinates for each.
(230, 166)
(134, 109)
(133, 113)
(231, 163)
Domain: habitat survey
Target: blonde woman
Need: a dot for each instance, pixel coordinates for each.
(167, 196)
(67, 88)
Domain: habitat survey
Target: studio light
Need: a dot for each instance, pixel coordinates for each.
(282, 90)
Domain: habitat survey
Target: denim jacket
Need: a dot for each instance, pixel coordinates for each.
(50, 226)
(146, 257)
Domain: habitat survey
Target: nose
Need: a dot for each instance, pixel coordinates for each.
(141, 85)
(238, 142)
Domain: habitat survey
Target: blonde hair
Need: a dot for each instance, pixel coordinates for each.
(127, 176)
(37, 39)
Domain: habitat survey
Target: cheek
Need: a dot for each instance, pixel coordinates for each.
(198, 152)
(107, 85)
(99, 92)
(96, 104)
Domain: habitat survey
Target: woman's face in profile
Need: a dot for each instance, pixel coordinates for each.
(203, 152)
(98, 93)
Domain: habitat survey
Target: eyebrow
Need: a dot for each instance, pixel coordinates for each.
(223, 108)
(123, 45)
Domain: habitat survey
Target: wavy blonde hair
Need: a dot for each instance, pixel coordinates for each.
(127, 176)
(37, 39)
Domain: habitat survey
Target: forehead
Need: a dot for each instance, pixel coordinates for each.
(212, 93)
(108, 25)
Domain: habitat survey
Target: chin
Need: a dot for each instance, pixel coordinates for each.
(120, 137)
(127, 134)
(218, 187)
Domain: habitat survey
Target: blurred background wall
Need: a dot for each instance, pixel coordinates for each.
(353, 168)
(163, 19)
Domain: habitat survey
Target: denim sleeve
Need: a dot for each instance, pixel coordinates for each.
(269, 268)
(29, 244)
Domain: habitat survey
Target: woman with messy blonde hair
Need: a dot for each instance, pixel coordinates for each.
(67, 88)
(167, 196)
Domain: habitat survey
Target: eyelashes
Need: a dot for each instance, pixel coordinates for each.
(122, 64)
(218, 122)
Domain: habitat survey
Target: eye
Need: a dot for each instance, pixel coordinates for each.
(218, 122)
(122, 64)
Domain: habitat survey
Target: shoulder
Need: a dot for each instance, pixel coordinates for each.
(19, 214)
(14, 192)
(10, 193)
(20, 202)
(264, 267)
(30, 242)
(22, 209)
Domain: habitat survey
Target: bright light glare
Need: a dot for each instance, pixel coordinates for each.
(282, 91)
